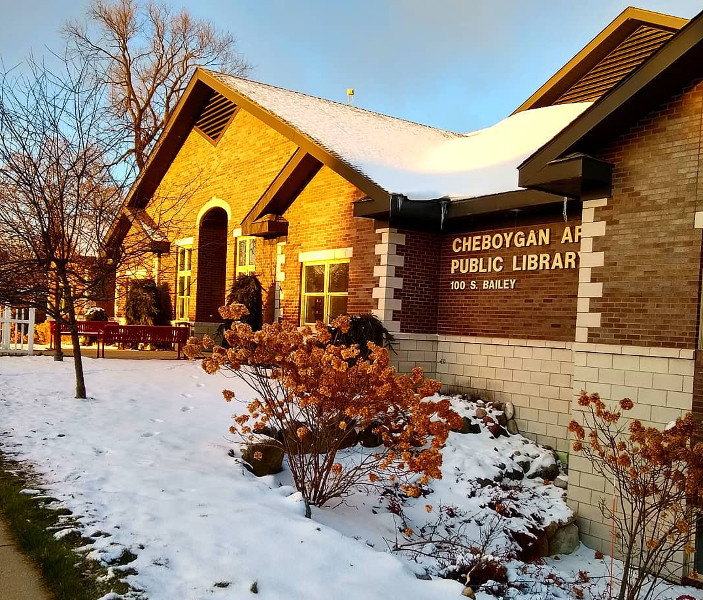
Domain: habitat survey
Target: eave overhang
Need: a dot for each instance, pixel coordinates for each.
(269, 226)
(434, 215)
(575, 176)
(674, 65)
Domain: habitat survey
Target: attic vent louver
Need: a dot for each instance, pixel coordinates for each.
(216, 115)
(617, 65)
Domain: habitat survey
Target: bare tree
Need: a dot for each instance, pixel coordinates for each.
(147, 54)
(61, 188)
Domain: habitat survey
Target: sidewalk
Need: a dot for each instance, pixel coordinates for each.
(91, 352)
(19, 577)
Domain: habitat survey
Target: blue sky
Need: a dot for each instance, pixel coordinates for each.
(455, 64)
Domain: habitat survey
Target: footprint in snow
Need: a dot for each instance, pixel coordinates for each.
(199, 385)
(186, 395)
(147, 434)
(156, 420)
(187, 408)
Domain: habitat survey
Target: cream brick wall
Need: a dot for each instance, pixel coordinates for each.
(415, 349)
(660, 383)
(535, 375)
(388, 282)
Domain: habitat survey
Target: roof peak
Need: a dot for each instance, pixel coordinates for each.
(220, 75)
(617, 50)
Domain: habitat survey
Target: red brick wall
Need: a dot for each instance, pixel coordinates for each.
(542, 305)
(238, 170)
(651, 275)
(420, 273)
(321, 218)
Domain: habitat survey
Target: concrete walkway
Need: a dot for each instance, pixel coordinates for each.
(19, 577)
(91, 352)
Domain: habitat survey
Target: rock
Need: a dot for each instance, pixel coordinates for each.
(271, 432)
(509, 410)
(565, 540)
(496, 430)
(549, 473)
(468, 426)
(501, 419)
(515, 475)
(524, 465)
(511, 426)
(347, 438)
(481, 413)
(561, 482)
(468, 592)
(271, 460)
(368, 439)
(475, 427)
(480, 403)
(497, 405)
(534, 544)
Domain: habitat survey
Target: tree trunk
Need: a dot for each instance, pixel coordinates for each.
(76, 342)
(58, 350)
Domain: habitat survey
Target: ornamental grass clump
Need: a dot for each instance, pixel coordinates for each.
(658, 481)
(316, 396)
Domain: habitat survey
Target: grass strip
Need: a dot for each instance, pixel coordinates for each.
(67, 573)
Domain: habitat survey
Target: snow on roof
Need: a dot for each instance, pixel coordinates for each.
(407, 158)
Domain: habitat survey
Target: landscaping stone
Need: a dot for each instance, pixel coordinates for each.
(468, 426)
(501, 419)
(368, 439)
(271, 461)
(561, 482)
(509, 410)
(524, 465)
(481, 413)
(549, 473)
(512, 427)
(565, 540)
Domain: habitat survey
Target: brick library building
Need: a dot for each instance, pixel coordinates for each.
(557, 251)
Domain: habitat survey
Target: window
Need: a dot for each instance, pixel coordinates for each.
(185, 263)
(246, 255)
(325, 290)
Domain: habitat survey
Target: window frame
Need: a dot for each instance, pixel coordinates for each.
(325, 294)
(187, 274)
(249, 267)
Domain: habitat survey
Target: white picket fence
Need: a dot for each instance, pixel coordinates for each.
(20, 338)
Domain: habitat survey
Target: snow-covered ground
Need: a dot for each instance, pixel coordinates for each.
(146, 461)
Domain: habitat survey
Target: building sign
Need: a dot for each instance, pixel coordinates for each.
(510, 254)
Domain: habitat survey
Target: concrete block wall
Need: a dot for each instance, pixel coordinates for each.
(415, 350)
(660, 383)
(535, 375)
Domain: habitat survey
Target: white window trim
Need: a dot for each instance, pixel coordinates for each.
(324, 255)
(187, 241)
(325, 294)
(249, 268)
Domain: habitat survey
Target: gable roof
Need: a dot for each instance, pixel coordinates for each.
(406, 158)
(665, 72)
(632, 37)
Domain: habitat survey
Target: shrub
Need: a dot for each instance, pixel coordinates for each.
(95, 313)
(42, 333)
(247, 290)
(315, 393)
(658, 477)
(144, 304)
(362, 330)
